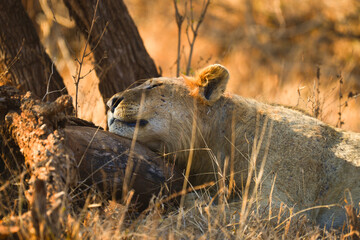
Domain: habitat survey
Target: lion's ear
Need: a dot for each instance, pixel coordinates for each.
(212, 82)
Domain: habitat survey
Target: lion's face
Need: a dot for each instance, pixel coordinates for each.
(160, 110)
(151, 108)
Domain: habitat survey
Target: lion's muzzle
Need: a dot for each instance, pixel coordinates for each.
(123, 115)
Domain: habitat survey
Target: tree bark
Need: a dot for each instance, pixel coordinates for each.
(120, 55)
(23, 60)
(35, 128)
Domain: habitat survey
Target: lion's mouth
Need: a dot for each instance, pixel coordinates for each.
(142, 122)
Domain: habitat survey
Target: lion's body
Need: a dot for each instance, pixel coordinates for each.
(311, 163)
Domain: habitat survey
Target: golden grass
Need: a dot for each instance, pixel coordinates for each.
(202, 220)
(201, 215)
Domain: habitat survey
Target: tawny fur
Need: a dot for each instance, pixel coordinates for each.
(313, 163)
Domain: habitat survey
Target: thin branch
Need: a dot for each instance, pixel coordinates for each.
(13, 61)
(190, 21)
(55, 91)
(83, 76)
(48, 84)
(316, 101)
(340, 121)
(179, 20)
(81, 61)
(97, 43)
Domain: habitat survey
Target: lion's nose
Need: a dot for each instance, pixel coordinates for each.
(115, 102)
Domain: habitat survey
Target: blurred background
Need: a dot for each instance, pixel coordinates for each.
(304, 54)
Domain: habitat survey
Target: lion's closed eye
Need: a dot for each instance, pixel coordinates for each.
(153, 86)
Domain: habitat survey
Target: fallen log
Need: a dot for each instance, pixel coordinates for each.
(102, 158)
(60, 160)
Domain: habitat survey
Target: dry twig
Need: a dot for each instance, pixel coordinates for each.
(340, 121)
(179, 20)
(194, 29)
(78, 76)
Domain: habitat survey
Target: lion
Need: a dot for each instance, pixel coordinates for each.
(292, 158)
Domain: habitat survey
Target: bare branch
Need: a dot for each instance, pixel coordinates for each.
(48, 84)
(194, 29)
(83, 76)
(179, 20)
(13, 61)
(340, 121)
(81, 61)
(97, 43)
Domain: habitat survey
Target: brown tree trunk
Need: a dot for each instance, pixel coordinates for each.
(23, 60)
(120, 54)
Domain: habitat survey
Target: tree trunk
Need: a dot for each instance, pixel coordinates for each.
(120, 55)
(23, 60)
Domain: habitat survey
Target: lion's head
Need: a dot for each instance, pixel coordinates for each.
(160, 111)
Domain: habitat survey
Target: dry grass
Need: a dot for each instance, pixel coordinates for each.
(203, 215)
(103, 219)
(202, 221)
